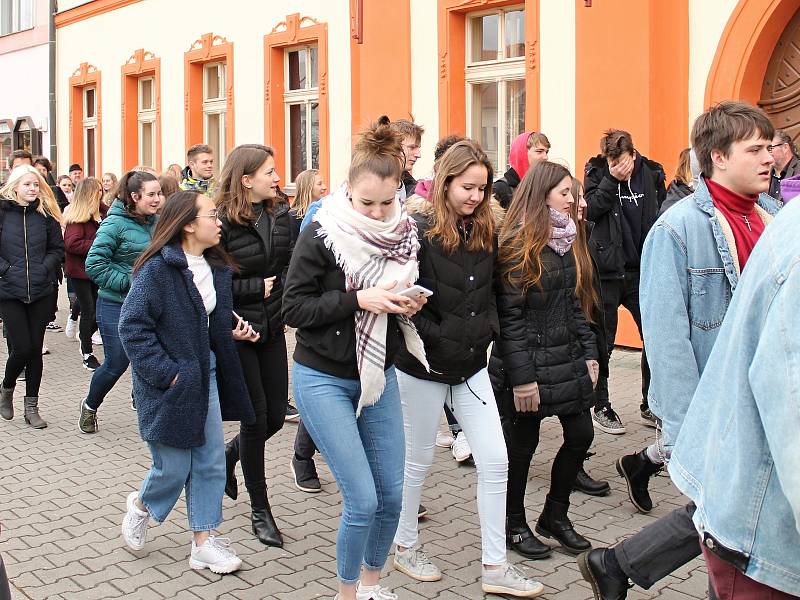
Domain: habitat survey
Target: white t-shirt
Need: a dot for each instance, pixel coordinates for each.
(203, 280)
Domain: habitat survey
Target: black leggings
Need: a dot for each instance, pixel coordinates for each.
(578, 436)
(86, 294)
(25, 326)
(266, 373)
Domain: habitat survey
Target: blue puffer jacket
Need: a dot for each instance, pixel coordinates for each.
(168, 338)
(31, 251)
(117, 244)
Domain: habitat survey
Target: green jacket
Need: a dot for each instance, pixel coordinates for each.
(118, 243)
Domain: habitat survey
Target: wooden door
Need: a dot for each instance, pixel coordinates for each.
(780, 93)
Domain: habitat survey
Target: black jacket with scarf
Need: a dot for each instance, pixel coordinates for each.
(260, 253)
(317, 304)
(459, 320)
(603, 208)
(544, 338)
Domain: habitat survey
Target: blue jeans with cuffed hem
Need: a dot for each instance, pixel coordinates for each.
(200, 471)
(366, 456)
(115, 361)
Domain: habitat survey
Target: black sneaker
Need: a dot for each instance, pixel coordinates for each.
(291, 414)
(305, 475)
(422, 512)
(90, 362)
(605, 419)
(53, 326)
(648, 418)
(637, 469)
(133, 402)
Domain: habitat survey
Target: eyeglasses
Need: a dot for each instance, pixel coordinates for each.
(211, 215)
(772, 147)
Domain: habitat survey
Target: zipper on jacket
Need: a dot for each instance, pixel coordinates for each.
(25, 234)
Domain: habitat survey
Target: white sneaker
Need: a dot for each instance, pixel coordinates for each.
(461, 449)
(215, 554)
(134, 525)
(444, 439)
(508, 580)
(373, 592)
(97, 339)
(70, 329)
(416, 564)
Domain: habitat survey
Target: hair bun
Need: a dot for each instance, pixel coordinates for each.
(383, 120)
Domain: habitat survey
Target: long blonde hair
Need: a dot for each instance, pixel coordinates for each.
(85, 205)
(454, 162)
(305, 191)
(48, 206)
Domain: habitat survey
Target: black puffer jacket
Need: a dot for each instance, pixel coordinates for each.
(676, 191)
(460, 320)
(31, 252)
(544, 338)
(603, 208)
(503, 188)
(260, 251)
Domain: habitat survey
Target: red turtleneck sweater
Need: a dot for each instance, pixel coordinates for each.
(740, 212)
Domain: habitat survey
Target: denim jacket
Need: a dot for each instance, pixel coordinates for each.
(688, 275)
(738, 453)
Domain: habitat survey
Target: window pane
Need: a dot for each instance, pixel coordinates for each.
(146, 144)
(25, 14)
(515, 112)
(5, 152)
(215, 82)
(296, 61)
(215, 127)
(315, 135)
(484, 38)
(89, 144)
(146, 94)
(314, 68)
(515, 34)
(89, 105)
(297, 139)
(484, 118)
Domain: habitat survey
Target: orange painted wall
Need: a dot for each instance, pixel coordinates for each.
(642, 86)
(381, 64)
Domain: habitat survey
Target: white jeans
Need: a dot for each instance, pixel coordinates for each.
(475, 408)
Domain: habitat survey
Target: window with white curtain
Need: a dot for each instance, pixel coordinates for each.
(15, 15)
(301, 105)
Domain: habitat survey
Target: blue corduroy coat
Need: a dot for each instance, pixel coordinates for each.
(165, 332)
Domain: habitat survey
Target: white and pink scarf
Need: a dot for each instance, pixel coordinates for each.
(563, 232)
(371, 253)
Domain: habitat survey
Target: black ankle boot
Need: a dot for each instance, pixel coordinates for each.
(521, 540)
(264, 526)
(554, 523)
(637, 470)
(584, 482)
(231, 458)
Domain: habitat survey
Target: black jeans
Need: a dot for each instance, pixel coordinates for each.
(578, 436)
(660, 548)
(304, 446)
(25, 326)
(616, 293)
(266, 373)
(86, 294)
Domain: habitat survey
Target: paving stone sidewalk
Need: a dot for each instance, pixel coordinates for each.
(62, 498)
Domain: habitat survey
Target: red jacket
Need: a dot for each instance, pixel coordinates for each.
(78, 238)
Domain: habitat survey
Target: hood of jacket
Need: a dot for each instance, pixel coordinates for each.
(518, 155)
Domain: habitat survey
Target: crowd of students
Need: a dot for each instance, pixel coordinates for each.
(493, 301)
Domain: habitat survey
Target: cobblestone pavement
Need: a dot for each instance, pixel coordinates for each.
(62, 498)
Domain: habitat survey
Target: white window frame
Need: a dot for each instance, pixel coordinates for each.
(20, 18)
(144, 116)
(90, 169)
(492, 71)
(216, 106)
(304, 97)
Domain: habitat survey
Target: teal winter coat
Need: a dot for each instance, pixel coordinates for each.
(118, 243)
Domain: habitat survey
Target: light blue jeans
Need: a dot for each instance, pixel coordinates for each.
(200, 471)
(366, 456)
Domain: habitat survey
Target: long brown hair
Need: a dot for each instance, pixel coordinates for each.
(454, 162)
(85, 205)
(179, 210)
(584, 287)
(233, 199)
(527, 227)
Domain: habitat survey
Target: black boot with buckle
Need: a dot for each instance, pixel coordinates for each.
(521, 540)
(554, 523)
